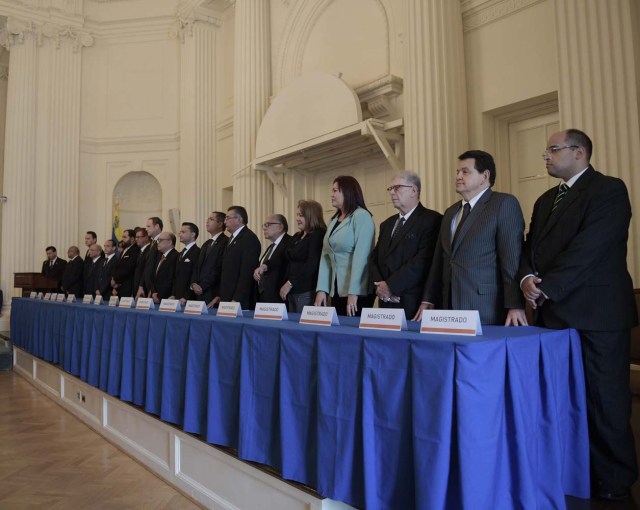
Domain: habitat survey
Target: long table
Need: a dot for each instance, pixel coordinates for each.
(374, 419)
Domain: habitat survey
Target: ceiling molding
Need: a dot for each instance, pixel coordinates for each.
(477, 13)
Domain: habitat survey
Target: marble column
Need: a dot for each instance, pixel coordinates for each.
(598, 91)
(252, 87)
(19, 212)
(41, 144)
(435, 105)
(197, 116)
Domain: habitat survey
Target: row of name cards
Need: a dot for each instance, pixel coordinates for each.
(443, 322)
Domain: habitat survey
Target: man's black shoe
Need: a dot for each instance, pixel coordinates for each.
(613, 493)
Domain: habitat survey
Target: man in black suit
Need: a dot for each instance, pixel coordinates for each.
(402, 257)
(90, 276)
(574, 274)
(162, 278)
(143, 244)
(239, 260)
(105, 270)
(72, 276)
(154, 228)
(53, 267)
(186, 262)
(475, 263)
(270, 274)
(125, 268)
(205, 280)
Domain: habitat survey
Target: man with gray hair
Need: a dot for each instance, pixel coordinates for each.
(402, 257)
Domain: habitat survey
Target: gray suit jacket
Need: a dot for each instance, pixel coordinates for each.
(479, 272)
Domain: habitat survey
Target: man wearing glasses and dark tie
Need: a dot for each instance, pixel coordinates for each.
(162, 279)
(402, 256)
(574, 274)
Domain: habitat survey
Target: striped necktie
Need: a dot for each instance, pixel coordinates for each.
(562, 191)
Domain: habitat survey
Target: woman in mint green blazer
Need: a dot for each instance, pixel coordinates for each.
(344, 264)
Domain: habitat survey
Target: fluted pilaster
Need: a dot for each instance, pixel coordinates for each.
(19, 211)
(598, 92)
(435, 108)
(41, 144)
(252, 88)
(197, 117)
(58, 154)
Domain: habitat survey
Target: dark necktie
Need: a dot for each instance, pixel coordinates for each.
(159, 264)
(184, 252)
(466, 210)
(267, 253)
(562, 191)
(397, 227)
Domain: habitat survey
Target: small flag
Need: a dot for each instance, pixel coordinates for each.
(116, 231)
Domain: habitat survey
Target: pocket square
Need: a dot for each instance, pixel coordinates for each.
(187, 260)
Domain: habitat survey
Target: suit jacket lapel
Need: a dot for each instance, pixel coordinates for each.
(571, 196)
(409, 225)
(476, 211)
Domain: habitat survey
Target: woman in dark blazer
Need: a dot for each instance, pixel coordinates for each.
(344, 265)
(303, 256)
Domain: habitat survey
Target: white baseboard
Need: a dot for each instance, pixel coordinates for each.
(204, 473)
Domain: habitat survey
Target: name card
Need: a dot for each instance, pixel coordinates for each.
(196, 307)
(47, 296)
(229, 309)
(271, 311)
(170, 305)
(71, 298)
(319, 316)
(98, 300)
(60, 297)
(113, 301)
(33, 295)
(87, 299)
(53, 296)
(451, 322)
(40, 295)
(389, 319)
(126, 302)
(144, 303)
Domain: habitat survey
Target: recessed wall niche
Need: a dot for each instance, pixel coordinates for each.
(139, 197)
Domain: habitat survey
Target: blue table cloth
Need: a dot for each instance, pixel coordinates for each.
(375, 419)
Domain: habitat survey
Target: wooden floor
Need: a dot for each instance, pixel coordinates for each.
(51, 460)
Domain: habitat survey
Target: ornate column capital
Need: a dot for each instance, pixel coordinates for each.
(15, 31)
(188, 18)
(58, 33)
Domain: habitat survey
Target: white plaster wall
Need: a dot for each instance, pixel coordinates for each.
(130, 113)
(507, 61)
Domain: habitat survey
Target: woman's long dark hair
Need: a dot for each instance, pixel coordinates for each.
(352, 193)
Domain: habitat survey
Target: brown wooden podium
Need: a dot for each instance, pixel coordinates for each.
(33, 282)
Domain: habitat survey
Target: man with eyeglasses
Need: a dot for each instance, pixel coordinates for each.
(205, 280)
(125, 268)
(574, 274)
(270, 273)
(239, 260)
(476, 259)
(164, 272)
(401, 258)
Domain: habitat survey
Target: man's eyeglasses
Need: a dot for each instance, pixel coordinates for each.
(266, 225)
(164, 239)
(227, 218)
(557, 148)
(396, 187)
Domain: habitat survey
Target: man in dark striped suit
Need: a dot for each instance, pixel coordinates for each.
(478, 250)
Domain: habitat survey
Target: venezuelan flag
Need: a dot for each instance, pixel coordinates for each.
(116, 230)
